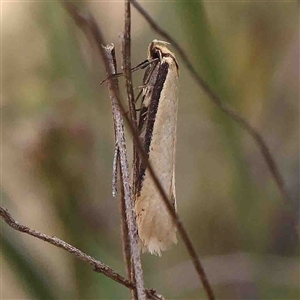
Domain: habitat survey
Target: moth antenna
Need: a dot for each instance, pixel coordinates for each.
(140, 66)
(139, 87)
(111, 76)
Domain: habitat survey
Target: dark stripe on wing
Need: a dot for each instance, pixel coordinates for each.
(155, 97)
(148, 115)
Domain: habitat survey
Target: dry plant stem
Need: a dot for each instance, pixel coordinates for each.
(126, 243)
(88, 25)
(97, 265)
(125, 234)
(265, 151)
(125, 174)
(188, 243)
(90, 28)
(174, 215)
(126, 53)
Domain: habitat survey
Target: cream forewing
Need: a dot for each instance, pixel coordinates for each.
(157, 131)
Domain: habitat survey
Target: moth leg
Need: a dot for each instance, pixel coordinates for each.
(139, 87)
(138, 96)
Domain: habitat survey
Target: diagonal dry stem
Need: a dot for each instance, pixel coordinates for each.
(97, 265)
(88, 25)
(261, 144)
(90, 28)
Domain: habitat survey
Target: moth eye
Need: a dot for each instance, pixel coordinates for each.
(156, 53)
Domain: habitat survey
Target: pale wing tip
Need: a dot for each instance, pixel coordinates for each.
(156, 247)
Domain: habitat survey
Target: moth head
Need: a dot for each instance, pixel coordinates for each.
(158, 49)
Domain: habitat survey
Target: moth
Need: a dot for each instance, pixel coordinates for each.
(157, 125)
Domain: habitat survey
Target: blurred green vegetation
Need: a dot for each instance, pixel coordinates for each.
(57, 149)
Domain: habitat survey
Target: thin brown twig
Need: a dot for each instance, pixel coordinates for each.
(174, 215)
(128, 80)
(262, 145)
(125, 174)
(97, 265)
(181, 229)
(126, 182)
(127, 71)
(126, 54)
(126, 51)
(125, 234)
(89, 27)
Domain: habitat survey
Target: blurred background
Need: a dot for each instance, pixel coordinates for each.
(57, 150)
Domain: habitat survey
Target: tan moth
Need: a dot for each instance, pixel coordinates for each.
(157, 124)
